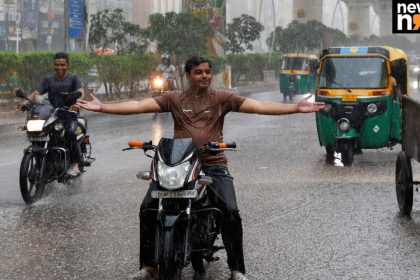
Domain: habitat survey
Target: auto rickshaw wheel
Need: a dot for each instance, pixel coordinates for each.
(330, 154)
(347, 153)
(404, 183)
(285, 97)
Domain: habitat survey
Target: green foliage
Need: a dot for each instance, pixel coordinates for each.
(304, 37)
(123, 73)
(251, 67)
(33, 67)
(218, 64)
(241, 33)
(181, 35)
(8, 62)
(109, 28)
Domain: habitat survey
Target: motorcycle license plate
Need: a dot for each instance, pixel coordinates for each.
(349, 98)
(38, 138)
(174, 194)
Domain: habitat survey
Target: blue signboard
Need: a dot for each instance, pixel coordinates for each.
(76, 18)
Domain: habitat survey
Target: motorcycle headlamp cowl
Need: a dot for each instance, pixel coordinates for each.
(172, 177)
(35, 125)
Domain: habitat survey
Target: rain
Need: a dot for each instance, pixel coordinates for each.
(323, 195)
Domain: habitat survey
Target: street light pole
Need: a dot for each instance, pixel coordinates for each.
(6, 35)
(17, 36)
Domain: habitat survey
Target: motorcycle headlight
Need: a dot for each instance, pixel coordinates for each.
(172, 178)
(35, 125)
(343, 124)
(58, 127)
(158, 82)
(372, 108)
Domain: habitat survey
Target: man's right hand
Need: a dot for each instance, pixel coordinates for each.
(22, 105)
(93, 105)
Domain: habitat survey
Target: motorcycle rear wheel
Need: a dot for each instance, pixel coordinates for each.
(31, 183)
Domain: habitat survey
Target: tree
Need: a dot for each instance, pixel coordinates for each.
(181, 35)
(110, 29)
(303, 37)
(241, 33)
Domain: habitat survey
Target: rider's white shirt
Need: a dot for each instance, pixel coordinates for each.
(167, 71)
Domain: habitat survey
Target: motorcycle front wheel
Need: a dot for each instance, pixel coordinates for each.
(31, 182)
(169, 266)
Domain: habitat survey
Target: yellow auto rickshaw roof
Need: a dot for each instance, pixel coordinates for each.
(390, 53)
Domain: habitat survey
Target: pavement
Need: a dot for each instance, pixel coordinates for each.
(17, 117)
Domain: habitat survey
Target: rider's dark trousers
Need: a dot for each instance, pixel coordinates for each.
(224, 199)
(70, 124)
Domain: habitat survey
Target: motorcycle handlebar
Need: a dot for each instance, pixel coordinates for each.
(222, 145)
(140, 145)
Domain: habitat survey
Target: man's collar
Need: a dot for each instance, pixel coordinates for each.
(65, 76)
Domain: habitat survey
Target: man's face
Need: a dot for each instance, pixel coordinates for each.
(61, 67)
(200, 77)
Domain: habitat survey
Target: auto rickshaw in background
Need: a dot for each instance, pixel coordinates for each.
(362, 89)
(297, 74)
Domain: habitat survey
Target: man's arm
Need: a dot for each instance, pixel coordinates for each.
(275, 108)
(148, 105)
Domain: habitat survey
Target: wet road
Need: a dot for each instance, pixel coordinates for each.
(303, 218)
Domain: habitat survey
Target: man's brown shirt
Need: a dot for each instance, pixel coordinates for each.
(200, 118)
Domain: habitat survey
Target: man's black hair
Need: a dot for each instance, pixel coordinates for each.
(195, 61)
(62, 55)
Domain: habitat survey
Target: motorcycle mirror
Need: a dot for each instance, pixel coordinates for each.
(20, 93)
(143, 175)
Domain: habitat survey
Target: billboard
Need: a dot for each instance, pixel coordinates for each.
(29, 22)
(214, 11)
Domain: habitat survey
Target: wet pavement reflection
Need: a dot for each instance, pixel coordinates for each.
(303, 218)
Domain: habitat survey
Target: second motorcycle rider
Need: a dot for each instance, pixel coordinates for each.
(57, 86)
(198, 113)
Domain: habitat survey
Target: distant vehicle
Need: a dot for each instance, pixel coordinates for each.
(297, 74)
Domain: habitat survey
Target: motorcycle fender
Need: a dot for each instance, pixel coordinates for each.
(171, 220)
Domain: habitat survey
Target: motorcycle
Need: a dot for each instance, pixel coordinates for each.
(187, 225)
(158, 84)
(46, 158)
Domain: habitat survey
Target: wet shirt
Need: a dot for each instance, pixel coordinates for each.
(55, 88)
(201, 118)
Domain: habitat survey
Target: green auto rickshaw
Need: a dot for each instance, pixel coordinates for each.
(362, 89)
(297, 74)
